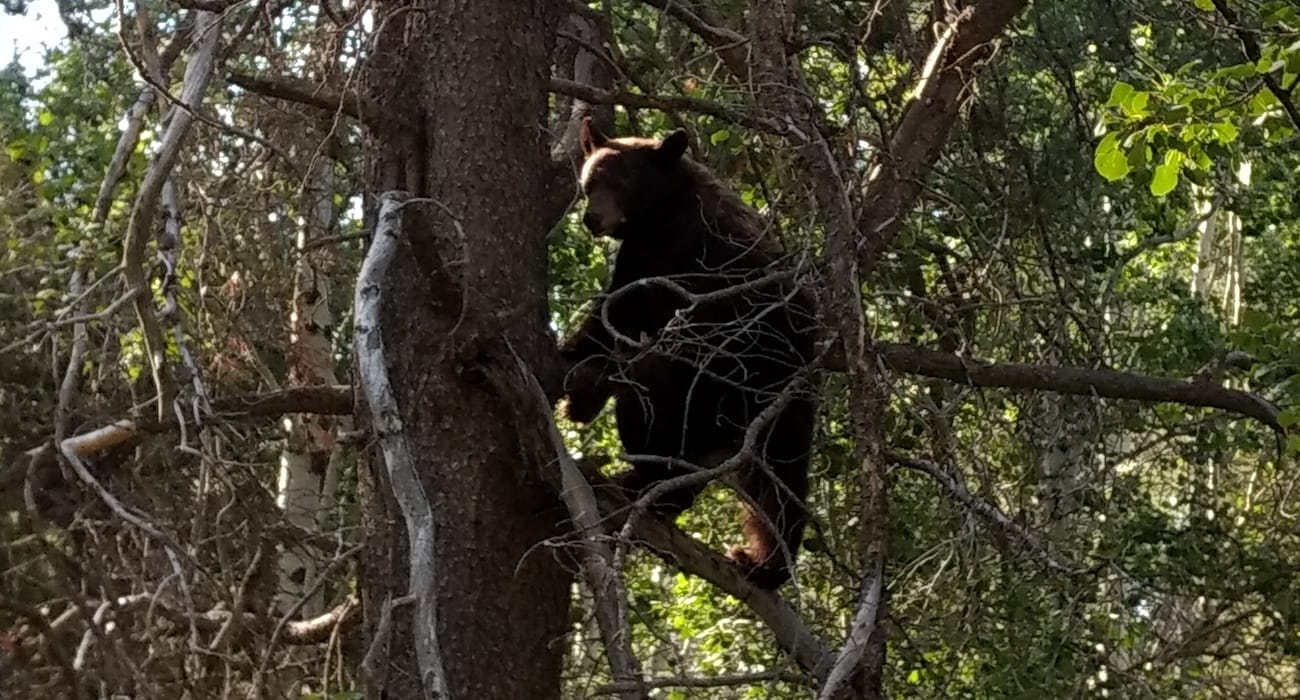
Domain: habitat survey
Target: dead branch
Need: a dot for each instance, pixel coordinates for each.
(125, 433)
(130, 137)
(198, 73)
(298, 632)
(307, 93)
(667, 103)
(900, 357)
(727, 43)
(408, 490)
(857, 668)
(598, 561)
(714, 682)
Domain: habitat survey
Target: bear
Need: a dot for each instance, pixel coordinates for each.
(697, 332)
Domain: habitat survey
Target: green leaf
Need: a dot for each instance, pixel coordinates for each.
(1136, 104)
(1166, 175)
(1206, 5)
(719, 136)
(45, 118)
(1225, 132)
(1262, 102)
(1109, 160)
(1241, 71)
(914, 677)
(1268, 64)
(1119, 94)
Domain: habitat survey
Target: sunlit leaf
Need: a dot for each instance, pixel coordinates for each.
(1109, 160)
(1166, 176)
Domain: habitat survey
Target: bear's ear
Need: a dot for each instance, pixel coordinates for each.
(673, 146)
(589, 137)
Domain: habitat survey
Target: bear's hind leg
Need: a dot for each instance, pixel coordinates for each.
(773, 532)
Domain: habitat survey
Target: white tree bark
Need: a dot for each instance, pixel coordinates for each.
(305, 488)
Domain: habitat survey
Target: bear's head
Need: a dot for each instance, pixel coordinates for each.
(628, 178)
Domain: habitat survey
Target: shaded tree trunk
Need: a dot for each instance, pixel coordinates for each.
(462, 94)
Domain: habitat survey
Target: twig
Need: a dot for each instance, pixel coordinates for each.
(955, 485)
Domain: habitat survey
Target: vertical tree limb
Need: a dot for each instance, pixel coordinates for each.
(197, 75)
(389, 431)
(598, 560)
(785, 92)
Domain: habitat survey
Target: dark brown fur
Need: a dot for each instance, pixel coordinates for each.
(705, 370)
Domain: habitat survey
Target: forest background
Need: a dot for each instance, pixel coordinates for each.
(1057, 248)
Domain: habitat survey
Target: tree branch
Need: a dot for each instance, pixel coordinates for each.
(598, 560)
(198, 72)
(125, 433)
(667, 103)
(679, 549)
(1102, 383)
(1251, 48)
(386, 422)
(307, 93)
(895, 180)
(728, 44)
(900, 357)
(951, 480)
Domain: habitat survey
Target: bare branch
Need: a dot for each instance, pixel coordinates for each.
(130, 137)
(714, 682)
(667, 103)
(1103, 383)
(408, 490)
(680, 549)
(124, 433)
(197, 75)
(729, 45)
(599, 565)
(858, 667)
(307, 93)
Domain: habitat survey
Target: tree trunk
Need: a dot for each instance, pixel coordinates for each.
(461, 95)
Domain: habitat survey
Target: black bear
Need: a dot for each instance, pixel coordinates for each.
(697, 333)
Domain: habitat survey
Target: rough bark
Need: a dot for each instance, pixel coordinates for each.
(461, 90)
